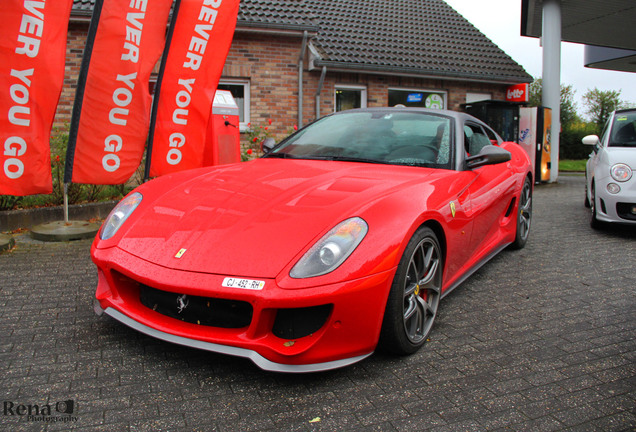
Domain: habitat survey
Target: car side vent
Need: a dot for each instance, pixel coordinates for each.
(510, 207)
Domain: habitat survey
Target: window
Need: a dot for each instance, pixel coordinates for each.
(417, 98)
(240, 90)
(399, 137)
(476, 97)
(349, 97)
(475, 139)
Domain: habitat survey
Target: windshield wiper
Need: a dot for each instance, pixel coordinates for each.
(280, 155)
(327, 158)
(355, 159)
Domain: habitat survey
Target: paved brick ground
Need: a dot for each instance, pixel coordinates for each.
(540, 339)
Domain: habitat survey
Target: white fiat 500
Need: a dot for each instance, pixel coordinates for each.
(610, 185)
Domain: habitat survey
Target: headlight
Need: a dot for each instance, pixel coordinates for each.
(331, 250)
(119, 214)
(621, 172)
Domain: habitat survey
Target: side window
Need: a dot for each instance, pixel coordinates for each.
(474, 138)
(492, 137)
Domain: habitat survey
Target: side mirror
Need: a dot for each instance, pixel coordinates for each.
(591, 140)
(489, 155)
(268, 145)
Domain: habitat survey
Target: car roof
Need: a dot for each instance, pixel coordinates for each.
(459, 116)
(624, 110)
(439, 112)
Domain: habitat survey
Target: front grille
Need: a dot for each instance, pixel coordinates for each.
(206, 311)
(299, 322)
(626, 211)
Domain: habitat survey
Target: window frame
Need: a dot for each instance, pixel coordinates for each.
(444, 93)
(363, 93)
(246, 99)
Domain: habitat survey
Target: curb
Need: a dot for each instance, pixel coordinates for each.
(13, 219)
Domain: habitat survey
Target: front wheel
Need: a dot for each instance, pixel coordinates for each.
(594, 222)
(415, 293)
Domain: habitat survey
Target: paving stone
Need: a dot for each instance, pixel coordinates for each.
(539, 339)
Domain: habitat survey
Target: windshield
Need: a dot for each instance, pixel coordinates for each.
(623, 130)
(399, 138)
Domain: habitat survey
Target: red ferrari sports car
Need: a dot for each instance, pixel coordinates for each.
(341, 240)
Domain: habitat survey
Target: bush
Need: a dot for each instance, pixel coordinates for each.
(256, 135)
(570, 145)
(77, 193)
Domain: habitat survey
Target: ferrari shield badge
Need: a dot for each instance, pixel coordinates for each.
(180, 253)
(452, 207)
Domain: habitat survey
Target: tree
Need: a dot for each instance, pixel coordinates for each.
(572, 127)
(599, 105)
(567, 105)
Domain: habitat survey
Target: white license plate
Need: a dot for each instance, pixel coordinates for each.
(248, 284)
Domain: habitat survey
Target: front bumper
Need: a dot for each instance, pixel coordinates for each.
(620, 207)
(348, 332)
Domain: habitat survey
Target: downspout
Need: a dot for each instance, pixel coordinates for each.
(320, 84)
(301, 59)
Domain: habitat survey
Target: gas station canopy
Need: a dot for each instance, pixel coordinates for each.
(608, 25)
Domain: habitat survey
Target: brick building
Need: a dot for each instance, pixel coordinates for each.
(294, 60)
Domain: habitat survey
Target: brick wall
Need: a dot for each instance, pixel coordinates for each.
(76, 40)
(270, 63)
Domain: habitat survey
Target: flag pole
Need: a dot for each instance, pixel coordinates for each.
(66, 204)
(72, 230)
(155, 99)
(77, 105)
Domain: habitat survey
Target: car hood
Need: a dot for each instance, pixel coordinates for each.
(626, 155)
(252, 219)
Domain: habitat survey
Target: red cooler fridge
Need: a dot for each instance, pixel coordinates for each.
(223, 136)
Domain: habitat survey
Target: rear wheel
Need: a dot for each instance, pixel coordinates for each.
(524, 215)
(415, 293)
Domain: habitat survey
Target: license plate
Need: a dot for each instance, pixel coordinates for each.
(248, 284)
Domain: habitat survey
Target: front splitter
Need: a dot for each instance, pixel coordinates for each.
(255, 357)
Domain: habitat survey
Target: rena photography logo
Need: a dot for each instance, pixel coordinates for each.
(61, 411)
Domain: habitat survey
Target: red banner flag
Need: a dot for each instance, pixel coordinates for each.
(201, 41)
(111, 118)
(32, 53)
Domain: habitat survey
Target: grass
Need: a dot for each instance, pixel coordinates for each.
(572, 165)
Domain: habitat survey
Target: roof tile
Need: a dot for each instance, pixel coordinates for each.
(421, 37)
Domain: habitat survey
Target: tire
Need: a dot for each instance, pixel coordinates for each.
(414, 297)
(524, 215)
(594, 222)
(587, 200)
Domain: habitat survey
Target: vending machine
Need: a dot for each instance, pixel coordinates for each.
(535, 134)
(501, 116)
(222, 144)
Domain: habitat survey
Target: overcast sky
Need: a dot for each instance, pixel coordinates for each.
(500, 21)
